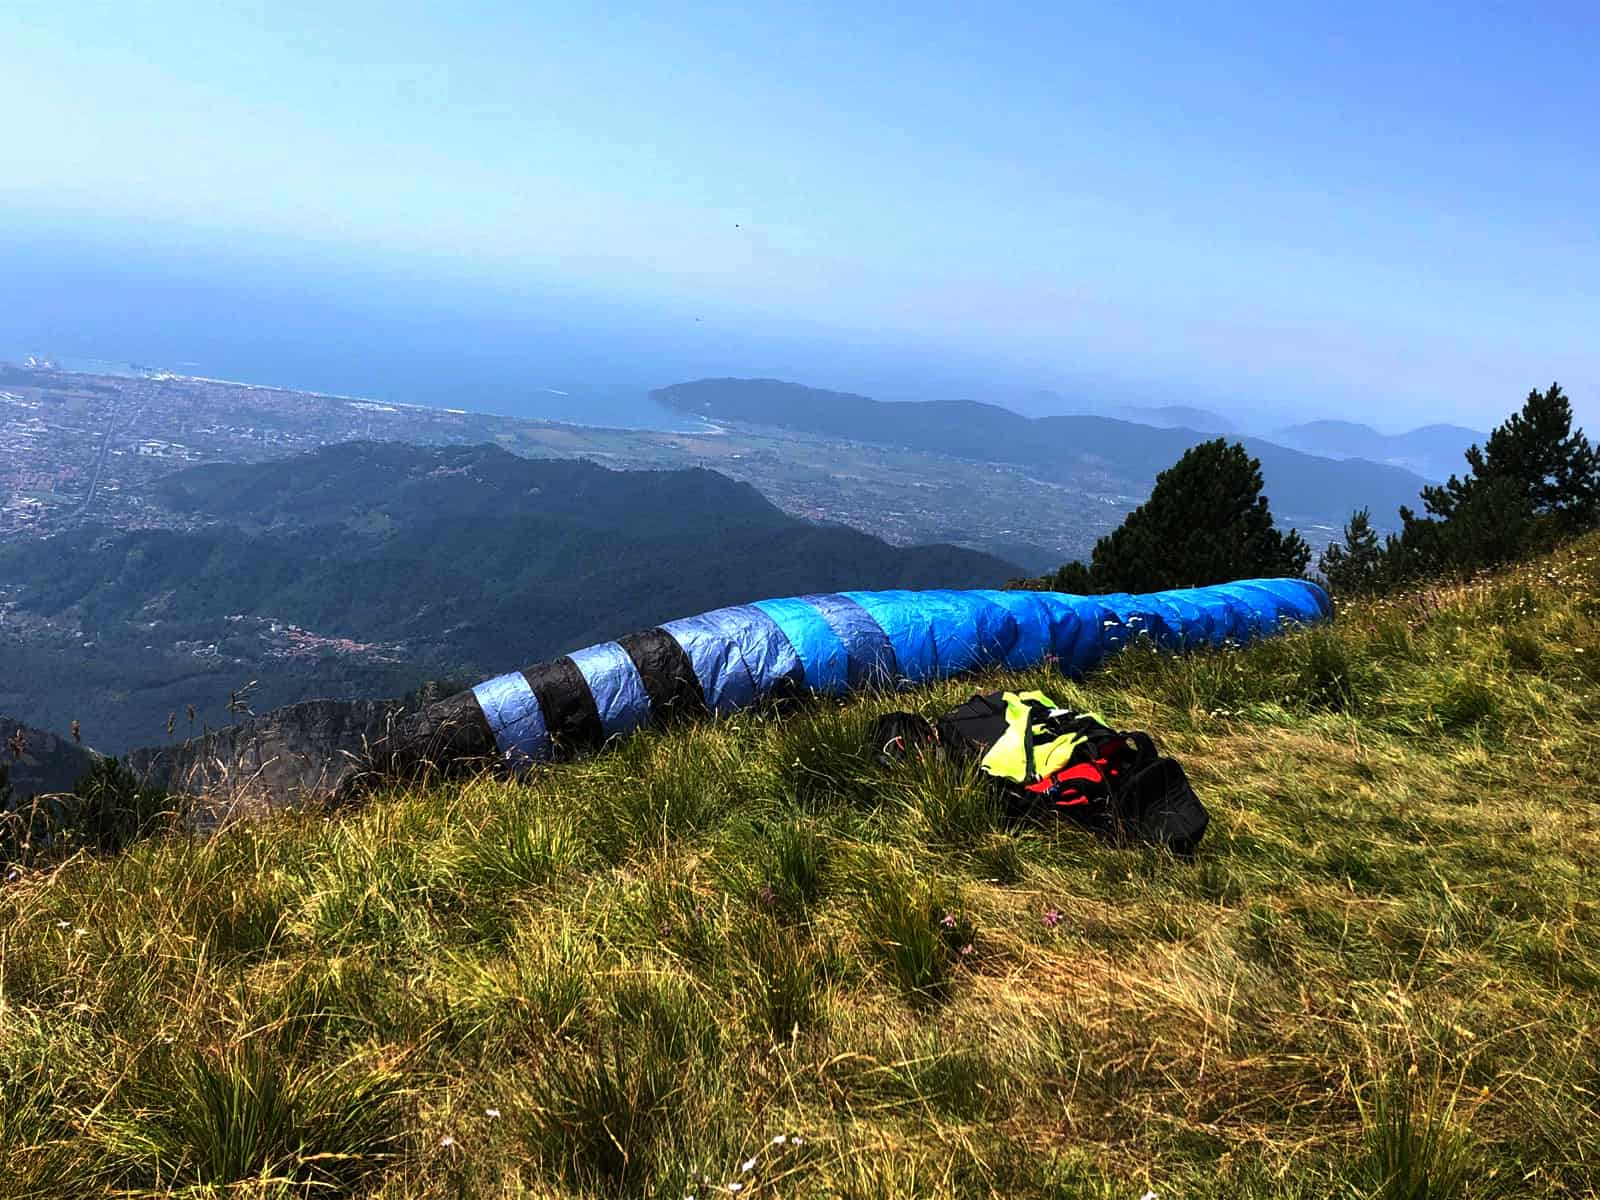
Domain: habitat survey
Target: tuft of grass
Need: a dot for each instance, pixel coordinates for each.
(946, 803)
(800, 858)
(538, 991)
(526, 850)
(1525, 653)
(818, 757)
(919, 933)
(788, 977)
(602, 1114)
(1465, 703)
(35, 1103)
(1411, 1148)
(1326, 671)
(927, 1071)
(252, 1114)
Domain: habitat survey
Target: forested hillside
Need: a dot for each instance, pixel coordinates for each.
(363, 570)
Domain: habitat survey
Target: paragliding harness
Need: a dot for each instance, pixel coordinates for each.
(1042, 759)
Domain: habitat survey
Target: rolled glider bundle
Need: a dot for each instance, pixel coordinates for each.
(734, 658)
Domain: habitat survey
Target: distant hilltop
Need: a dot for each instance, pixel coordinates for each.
(1433, 451)
(1305, 488)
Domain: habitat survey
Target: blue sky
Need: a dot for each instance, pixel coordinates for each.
(1383, 212)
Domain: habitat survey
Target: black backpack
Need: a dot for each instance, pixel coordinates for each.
(1116, 784)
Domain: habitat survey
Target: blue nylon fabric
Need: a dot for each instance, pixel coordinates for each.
(969, 631)
(1206, 624)
(768, 655)
(1295, 600)
(614, 683)
(739, 654)
(841, 641)
(822, 655)
(906, 629)
(1038, 618)
(1076, 633)
(872, 659)
(1225, 612)
(939, 633)
(1251, 612)
(1193, 616)
(1229, 624)
(514, 716)
(1188, 623)
(1150, 618)
(1047, 623)
(1101, 631)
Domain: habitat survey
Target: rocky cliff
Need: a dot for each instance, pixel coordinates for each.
(41, 762)
(292, 755)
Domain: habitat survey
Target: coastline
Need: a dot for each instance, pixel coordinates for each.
(108, 368)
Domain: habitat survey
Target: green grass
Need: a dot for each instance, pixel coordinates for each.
(742, 953)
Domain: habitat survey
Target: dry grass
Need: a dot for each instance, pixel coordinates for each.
(720, 956)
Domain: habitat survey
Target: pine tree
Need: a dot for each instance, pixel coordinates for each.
(1072, 577)
(1491, 522)
(1357, 565)
(1205, 522)
(1534, 480)
(113, 807)
(1554, 466)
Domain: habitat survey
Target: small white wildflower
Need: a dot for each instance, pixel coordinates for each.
(447, 1141)
(491, 1112)
(63, 924)
(779, 1140)
(736, 1188)
(795, 1140)
(749, 1165)
(1148, 1196)
(79, 931)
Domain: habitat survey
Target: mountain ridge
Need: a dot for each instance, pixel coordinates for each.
(1433, 450)
(1302, 487)
(362, 569)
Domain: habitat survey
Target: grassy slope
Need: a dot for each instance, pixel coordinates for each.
(657, 961)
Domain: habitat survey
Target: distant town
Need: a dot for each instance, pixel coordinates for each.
(79, 448)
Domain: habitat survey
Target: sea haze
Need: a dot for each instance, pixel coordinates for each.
(435, 338)
(400, 340)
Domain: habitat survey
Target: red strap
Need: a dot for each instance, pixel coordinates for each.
(1084, 771)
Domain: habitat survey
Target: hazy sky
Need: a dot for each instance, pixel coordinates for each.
(1387, 212)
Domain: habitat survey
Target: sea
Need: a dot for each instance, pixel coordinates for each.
(364, 334)
(424, 383)
(431, 338)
